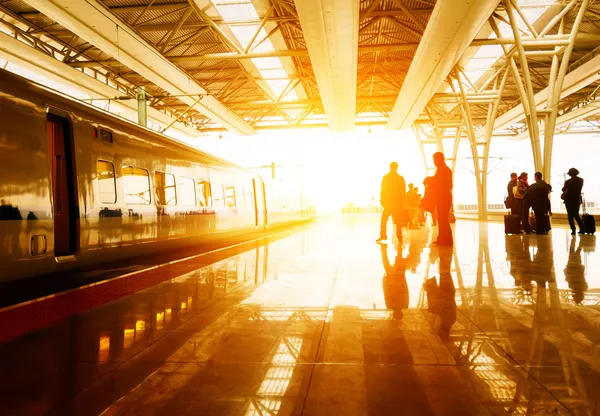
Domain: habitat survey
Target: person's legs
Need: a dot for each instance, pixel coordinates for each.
(525, 217)
(571, 216)
(384, 220)
(540, 221)
(397, 218)
(514, 208)
(576, 216)
(445, 232)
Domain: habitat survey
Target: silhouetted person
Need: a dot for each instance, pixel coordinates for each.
(411, 205)
(441, 297)
(428, 203)
(510, 198)
(393, 188)
(537, 198)
(519, 193)
(571, 195)
(395, 289)
(575, 273)
(442, 193)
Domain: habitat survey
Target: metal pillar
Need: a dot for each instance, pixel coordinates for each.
(142, 105)
(468, 119)
(555, 88)
(531, 115)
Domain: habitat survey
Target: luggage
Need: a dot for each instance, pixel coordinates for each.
(588, 223)
(512, 224)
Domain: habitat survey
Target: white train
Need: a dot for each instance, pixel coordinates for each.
(79, 187)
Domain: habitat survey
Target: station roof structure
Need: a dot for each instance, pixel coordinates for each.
(246, 65)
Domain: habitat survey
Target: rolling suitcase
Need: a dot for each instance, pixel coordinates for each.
(512, 224)
(588, 223)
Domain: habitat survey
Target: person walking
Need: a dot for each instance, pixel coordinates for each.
(537, 197)
(509, 202)
(571, 195)
(393, 188)
(519, 193)
(442, 193)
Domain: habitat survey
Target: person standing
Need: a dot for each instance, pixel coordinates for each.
(442, 193)
(519, 193)
(571, 195)
(393, 188)
(510, 198)
(411, 205)
(537, 198)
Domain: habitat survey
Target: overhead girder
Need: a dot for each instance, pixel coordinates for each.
(330, 29)
(451, 29)
(578, 78)
(91, 21)
(37, 61)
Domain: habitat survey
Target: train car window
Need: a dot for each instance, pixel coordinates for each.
(106, 182)
(166, 193)
(218, 196)
(186, 191)
(230, 197)
(239, 198)
(103, 135)
(205, 194)
(136, 183)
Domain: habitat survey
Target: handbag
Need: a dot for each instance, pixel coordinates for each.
(451, 218)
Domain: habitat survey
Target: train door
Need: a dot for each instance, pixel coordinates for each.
(63, 186)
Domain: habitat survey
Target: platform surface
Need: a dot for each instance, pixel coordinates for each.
(326, 322)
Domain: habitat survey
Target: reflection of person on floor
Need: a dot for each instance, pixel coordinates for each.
(395, 289)
(416, 244)
(575, 273)
(442, 196)
(10, 238)
(517, 253)
(393, 188)
(441, 297)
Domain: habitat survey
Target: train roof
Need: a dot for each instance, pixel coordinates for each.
(14, 80)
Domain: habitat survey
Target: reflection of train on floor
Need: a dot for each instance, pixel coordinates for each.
(82, 187)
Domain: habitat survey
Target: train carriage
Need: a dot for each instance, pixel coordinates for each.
(80, 186)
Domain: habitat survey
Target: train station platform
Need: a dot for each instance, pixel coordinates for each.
(323, 321)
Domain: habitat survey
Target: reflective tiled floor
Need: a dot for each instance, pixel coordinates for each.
(327, 322)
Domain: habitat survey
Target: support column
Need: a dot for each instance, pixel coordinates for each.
(468, 119)
(531, 115)
(142, 105)
(555, 88)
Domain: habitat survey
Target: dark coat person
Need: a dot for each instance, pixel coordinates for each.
(510, 195)
(442, 196)
(537, 198)
(393, 188)
(571, 195)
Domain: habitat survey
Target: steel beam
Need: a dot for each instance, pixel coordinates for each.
(578, 78)
(330, 29)
(36, 61)
(234, 56)
(91, 21)
(451, 29)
